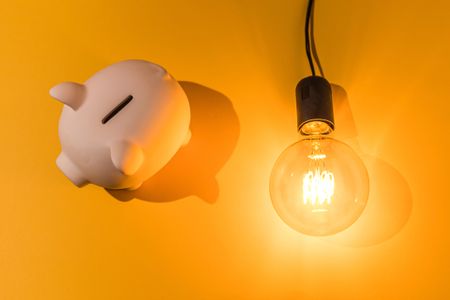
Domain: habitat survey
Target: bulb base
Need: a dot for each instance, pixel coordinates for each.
(314, 106)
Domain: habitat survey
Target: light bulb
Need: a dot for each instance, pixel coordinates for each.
(319, 185)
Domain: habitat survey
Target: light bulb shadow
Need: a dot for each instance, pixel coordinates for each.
(214, 134)
(390, 199)
(387, 211)
(343, 117)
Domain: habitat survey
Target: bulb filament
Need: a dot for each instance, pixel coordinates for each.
(318, 187)
(318, 183)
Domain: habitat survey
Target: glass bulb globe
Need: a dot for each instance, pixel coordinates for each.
(319, 186)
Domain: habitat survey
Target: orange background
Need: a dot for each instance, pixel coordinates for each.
(205, 227)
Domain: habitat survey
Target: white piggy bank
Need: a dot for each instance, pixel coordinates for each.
(122, 125)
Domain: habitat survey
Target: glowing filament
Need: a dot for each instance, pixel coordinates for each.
(316, 156)
(318, 187)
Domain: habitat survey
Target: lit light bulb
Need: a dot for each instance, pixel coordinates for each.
(318, 185)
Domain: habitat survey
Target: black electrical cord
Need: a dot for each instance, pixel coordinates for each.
(313, 43)
(307, 37)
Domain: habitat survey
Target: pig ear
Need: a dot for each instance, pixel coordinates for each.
(70, 93)
(127, 157)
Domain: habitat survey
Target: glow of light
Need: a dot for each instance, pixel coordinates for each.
(318, 187)
(317, 156)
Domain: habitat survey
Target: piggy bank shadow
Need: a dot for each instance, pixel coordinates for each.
(214, 134)
(390, 199)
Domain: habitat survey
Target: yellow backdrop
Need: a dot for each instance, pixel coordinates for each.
(205, 227)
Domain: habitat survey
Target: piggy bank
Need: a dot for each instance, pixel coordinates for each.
(122, 125)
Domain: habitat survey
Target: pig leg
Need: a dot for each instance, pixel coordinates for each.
(70, 170)
(134, 187)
